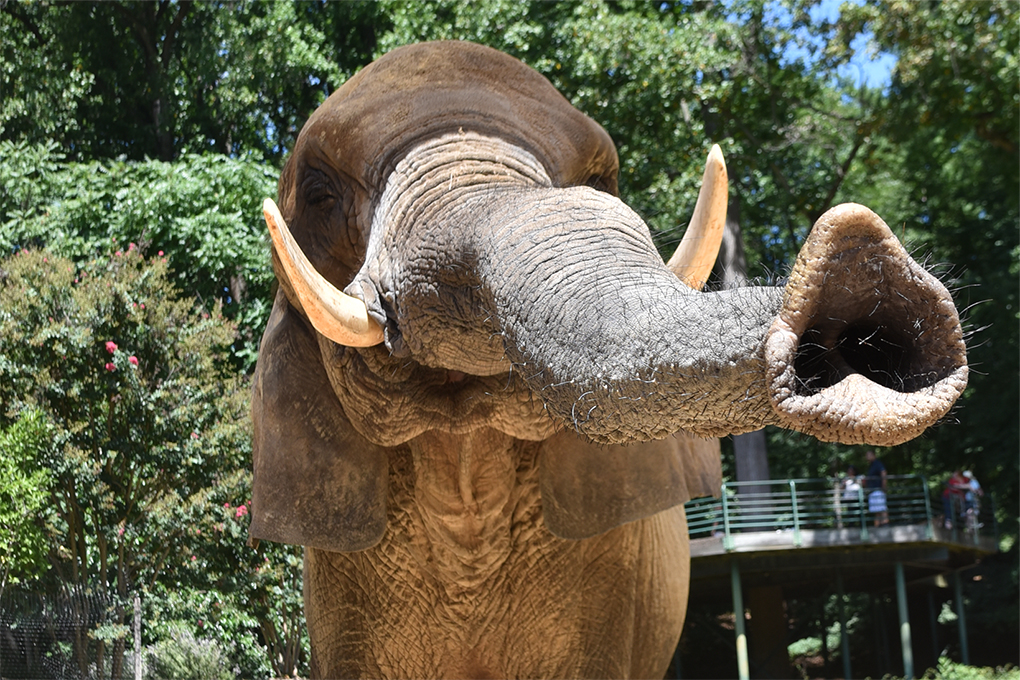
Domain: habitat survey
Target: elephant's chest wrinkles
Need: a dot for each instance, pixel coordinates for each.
(464, 489)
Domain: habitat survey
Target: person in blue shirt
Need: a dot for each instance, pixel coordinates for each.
(874, 484)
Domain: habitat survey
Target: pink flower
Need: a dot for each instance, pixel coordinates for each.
(160, 253)
(131, 246)
(111, 346)
(120, 531)
(133, 360)
(110, 367)
(241, 512)
(142, 305)
(193, 558)
(194, 435)
(226, 505)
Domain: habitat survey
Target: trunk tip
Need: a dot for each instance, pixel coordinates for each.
(868, 346)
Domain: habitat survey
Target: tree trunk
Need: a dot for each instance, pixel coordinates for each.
(752, 461)
(768, 625)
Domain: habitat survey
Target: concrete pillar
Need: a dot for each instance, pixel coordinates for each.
(905, 642)
(743, 669)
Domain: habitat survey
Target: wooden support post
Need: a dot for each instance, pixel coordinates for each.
(768, 627)
(905, 642)
(844, 638)
(961, 620)
(743, 669)
(933, 629)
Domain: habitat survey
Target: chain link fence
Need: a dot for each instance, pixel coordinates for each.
(77, 634)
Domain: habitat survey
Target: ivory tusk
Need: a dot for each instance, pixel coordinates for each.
(695, 256)
(340, 317)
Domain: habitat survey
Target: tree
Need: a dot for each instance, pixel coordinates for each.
(143, 413)
(163, 77)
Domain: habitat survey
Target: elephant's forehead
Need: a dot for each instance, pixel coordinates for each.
(429, 89)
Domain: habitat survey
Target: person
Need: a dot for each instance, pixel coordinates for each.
(850, 484)
(875, 483)
(972, 499)
(953, 497)
(849, 487)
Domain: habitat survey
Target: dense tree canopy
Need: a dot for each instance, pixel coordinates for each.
(164, 123)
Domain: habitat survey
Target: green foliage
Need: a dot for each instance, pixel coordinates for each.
(248, 600)
(161, 79)
(202, 213)
(182, 656)
(142, 412)
(949, 670)
(808, 646)
(23, 497)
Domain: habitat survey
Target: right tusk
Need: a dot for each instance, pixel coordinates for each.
(695, 256)
(340, 317)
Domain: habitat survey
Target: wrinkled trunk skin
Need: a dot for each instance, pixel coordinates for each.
(616, 345)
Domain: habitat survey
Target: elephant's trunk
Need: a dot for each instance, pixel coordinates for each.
(863, 346)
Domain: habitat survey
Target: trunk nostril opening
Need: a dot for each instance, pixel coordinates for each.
(875, 350)
(880, 354)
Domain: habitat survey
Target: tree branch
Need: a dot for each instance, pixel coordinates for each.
(170, 41)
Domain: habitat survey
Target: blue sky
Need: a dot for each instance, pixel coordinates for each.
(866, 68)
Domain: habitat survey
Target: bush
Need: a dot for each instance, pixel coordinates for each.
(182, 656)
(202, 213)
(950, 670)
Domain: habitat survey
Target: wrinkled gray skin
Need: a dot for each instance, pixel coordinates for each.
(470, 492)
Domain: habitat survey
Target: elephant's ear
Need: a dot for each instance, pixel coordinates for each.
(588, 489)
(317, 482)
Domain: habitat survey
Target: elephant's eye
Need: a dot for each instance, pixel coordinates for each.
(317, 189)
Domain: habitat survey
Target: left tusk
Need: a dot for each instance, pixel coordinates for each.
(695, 256)
(340, 317)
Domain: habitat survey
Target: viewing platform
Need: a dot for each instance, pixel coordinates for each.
(811, 536)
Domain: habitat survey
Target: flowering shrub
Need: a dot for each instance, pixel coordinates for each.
(144, 413)
(201, 214)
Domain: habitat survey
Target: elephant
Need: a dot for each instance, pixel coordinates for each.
(482, 398)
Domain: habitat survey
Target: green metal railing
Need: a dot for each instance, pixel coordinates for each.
(796, 505)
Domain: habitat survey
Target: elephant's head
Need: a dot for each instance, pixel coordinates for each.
(492, 278)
